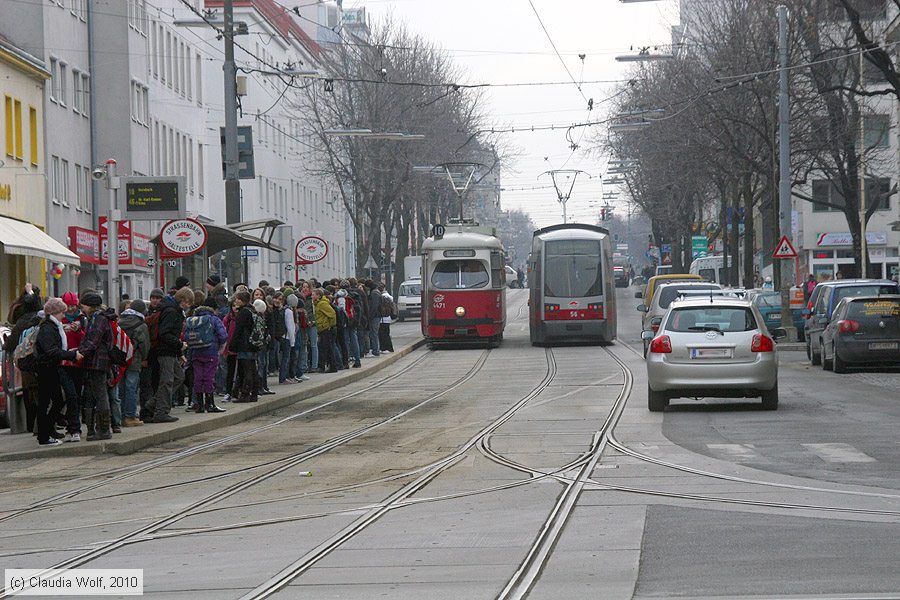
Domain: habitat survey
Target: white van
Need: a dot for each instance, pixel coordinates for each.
(710, 268)
(409, 299)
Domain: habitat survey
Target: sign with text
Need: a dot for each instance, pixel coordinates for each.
(311, 249)
(86, 244)
(154, 198)
(182, 237)
(873, 238)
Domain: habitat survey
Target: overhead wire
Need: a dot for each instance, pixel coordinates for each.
(553, 44)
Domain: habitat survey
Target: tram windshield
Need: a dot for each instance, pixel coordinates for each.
(572, 269)
(460, 275)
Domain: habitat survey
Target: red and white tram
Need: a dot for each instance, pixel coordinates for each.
(463, 286)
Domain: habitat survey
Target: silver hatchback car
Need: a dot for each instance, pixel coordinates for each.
(712, 346)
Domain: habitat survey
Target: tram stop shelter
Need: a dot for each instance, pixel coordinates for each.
(219, 239)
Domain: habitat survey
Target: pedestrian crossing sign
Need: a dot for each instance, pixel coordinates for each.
(785, 249)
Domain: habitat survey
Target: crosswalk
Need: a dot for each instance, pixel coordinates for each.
(831, 452)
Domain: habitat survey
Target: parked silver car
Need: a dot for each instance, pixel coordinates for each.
(712, 347)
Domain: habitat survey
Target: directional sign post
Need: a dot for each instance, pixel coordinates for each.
(784, 249)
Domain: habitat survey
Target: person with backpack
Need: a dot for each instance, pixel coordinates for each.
(204, 334)
(246, 342)
(389, 312)
(374, 316)
(71, 374)
(361, 306)
(348, 306)
(326, 323)
(121, 355)
(132, 323)
(95, 352)
(170, 350)
(310, 333)
(50, 349)
(27, 313)
(283, 333)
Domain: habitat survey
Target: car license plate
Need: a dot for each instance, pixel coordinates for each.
(774, 316)
(882, 345)
(711, 352)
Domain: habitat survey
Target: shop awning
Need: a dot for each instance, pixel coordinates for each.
(221, 238)
(24, 239)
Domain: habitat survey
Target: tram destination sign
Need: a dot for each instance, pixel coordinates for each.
(153, 198)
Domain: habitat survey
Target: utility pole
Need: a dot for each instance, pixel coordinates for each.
(864, 247)
(112, 236)
(232, 183)
(563, 194)
(784, 171)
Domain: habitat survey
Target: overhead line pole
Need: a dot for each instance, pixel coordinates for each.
(232, 182)
(784, 171)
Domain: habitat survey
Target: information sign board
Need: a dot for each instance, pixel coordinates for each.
(154, 198)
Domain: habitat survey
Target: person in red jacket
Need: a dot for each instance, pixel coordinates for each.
(71, 375)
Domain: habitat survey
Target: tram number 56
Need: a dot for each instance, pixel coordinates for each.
(573, 314)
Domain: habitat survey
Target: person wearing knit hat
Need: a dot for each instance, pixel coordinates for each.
(95, 348)
(139, 306)
(213, 280)
(91, 300)
(71, 374)
(157, 293)
(182, 282)
(52, 348)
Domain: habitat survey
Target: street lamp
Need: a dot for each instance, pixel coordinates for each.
(644, 55)
(633, 126)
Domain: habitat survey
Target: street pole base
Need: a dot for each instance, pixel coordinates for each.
(791, 336)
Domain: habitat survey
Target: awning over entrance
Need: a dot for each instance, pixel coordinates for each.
(223, 238)
(24, 239)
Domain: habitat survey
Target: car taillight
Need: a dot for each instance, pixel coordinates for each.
(598, 308)
(655, 322)
(848, 326)
(551, 307)
(661, 345)
(762, 343)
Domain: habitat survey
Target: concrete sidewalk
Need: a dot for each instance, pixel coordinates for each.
(24, 445)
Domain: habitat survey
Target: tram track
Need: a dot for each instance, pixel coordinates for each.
(285, 464)
(398, 499)
(122, 473)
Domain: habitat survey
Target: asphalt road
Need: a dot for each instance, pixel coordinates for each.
(506, 473)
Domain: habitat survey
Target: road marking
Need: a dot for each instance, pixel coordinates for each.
(746, 451)
(838, 453)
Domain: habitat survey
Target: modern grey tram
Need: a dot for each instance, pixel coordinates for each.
(572, 294)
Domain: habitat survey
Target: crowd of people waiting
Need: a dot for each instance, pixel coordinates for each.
(85, 363)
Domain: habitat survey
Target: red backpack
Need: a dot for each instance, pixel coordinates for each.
(121, 352)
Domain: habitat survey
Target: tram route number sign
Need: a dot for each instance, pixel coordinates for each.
(154, 198)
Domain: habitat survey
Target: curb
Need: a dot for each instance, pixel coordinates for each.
(231, 417)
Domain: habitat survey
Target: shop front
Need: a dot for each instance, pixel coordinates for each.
(833, 256)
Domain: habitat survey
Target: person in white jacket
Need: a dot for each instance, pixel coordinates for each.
(384, 332)
(284, 333)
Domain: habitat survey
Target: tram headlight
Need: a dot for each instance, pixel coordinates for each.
(460, 311)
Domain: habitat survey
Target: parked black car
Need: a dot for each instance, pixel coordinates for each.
(864, 330)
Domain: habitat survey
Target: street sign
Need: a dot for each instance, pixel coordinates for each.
(699, 246)
(246, 168)
(785, 249)
(250, 252)
(182, 237)
(310, 249)
(370, 264)
(154, 198)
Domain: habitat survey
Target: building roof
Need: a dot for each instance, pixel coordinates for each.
(18, 58)
(278, 17)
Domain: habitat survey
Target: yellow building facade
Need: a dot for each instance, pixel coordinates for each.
(26, 253)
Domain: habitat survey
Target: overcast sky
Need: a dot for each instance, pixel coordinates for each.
(501, 41)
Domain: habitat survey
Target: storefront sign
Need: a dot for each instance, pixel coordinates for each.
(873, 238)
(311, 249)
(86, 244)
(183, 237)
(140, 250)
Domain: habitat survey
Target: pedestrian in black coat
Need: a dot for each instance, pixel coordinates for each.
(50, 350)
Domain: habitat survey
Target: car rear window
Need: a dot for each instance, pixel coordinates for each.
(850, 291)
(728, 319)
(671, 292)
(768, 300)
(861, 310)
(411, 290)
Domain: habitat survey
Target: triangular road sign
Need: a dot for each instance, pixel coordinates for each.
(785, 249)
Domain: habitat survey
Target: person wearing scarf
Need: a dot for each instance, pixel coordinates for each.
(51, 349)
(71, 374)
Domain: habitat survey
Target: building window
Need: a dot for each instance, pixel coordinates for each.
(62, 91)
(17, 110)
(79, 187)
(55, 179)
(140, 103)
(33, 134)
(10, 127)
(875, 131)
(54, 79)
(86, 95)
(154, 41)
(64, 187)
(877, 190)
(77, 91)
(199, 81)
